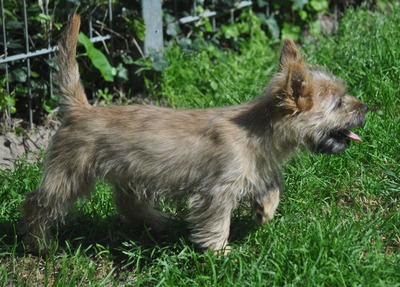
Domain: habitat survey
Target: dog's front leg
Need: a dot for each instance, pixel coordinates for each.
(265, 205)
(209, 218)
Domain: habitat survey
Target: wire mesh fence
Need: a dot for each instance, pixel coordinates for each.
(13, 59)
(46, 54)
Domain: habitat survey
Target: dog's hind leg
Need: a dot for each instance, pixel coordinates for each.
(139, 212)
(60, 187)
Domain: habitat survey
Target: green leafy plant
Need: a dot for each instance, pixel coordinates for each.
(7, 101)
(284, 18)
(105, 95)
(50, 104)
(291, 18)
(202, 74)
(99, 60)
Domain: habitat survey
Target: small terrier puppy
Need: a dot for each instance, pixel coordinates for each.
(213, 158)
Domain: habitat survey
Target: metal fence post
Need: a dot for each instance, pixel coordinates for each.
(28, 67)
(152, 16)
(8, 110)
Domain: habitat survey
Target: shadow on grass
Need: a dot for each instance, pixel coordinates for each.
(8, 236)
(89, 236)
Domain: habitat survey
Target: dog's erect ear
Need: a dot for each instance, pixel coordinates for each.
(298, 89)
(290, 54)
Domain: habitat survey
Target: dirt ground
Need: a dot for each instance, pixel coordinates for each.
(22, 143)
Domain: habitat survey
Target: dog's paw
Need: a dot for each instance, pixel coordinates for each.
(263, 214)
(223, 252)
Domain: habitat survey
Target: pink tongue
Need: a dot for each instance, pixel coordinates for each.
(353, 136)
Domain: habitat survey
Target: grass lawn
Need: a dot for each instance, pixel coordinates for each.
(338, 223)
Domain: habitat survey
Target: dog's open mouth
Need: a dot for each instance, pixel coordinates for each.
(347, 134)
(336, 141)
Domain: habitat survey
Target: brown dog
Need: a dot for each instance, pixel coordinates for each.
(213, 158)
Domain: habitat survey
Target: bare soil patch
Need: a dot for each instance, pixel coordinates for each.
(22, 143)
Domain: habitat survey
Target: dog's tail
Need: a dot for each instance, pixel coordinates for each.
(70, 87)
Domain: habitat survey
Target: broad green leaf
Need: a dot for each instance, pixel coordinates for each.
(214, 85)
(319, 5)
(10, 101)
(230, 31)
(303, 15)
(299, 4)
(140, 28)
(273, 26)
(44, 17)
(98, 59)
(122, 72)
(208, 26)
(315, 28)
(173, 29)
(291, 31)
(159, 63)
(19, 75)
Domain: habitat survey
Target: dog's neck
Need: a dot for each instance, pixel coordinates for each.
(261, 119)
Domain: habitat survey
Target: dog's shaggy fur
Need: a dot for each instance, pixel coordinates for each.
(211, 157)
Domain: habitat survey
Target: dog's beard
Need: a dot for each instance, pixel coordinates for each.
(335, 141)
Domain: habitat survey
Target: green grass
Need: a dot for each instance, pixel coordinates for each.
(209, 76)
(337, 225)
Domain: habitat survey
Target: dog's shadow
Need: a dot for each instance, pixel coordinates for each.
(91, 234)
(114, 233)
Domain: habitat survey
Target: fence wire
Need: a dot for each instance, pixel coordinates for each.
(48, 53)
(6, 59)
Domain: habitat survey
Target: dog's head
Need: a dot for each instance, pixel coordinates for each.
(319, 110)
